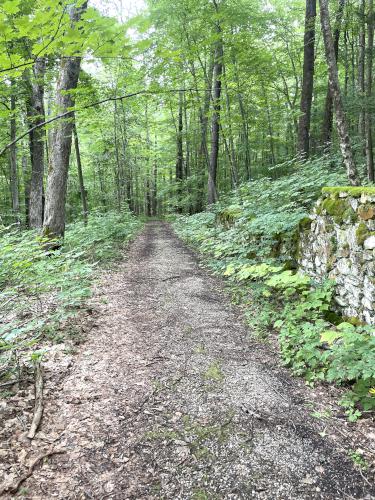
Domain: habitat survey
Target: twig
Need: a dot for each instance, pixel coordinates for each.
(38, 409)
(12, 382)
(13, 488)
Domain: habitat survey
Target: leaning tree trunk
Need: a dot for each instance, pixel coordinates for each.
(36, 116)
(328, 110)
(308, 80)
(368, 120)
(61, 143)
(215, 127)
(341, 121)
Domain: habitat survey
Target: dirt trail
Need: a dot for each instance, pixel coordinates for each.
(171, 398)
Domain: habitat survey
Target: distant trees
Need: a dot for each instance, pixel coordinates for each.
(231, 92)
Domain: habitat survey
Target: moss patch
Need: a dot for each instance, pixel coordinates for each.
(362, 233)
(339, 209)
(228, 216)
(305, 224)
(354, 191)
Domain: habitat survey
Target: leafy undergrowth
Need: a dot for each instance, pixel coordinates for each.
(250, 238)
(40, 291)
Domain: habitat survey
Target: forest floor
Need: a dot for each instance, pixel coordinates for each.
(171, 397)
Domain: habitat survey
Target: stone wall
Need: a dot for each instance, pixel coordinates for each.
(339, 243)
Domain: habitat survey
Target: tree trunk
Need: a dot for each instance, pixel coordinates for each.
(13, 158)
(61, 143)
(328, 110)
(80, 175)
(361, 71)
(215, 130)
(308, 80)
(341, 121)
(368, 122)
(180, 153)
(203, 156)
(36, 115)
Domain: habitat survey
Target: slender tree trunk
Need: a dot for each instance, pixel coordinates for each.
(361, 71)
(215, 126)
(203, 155)
(36, 115)
(231, 148)
(244, 118)
(180, 152)
(155, 182)
(341, 121)
(26, 187)
(118, 160)
(308, 80)
(80, 175)
(328, 109)
(61, 143)
(13, 158)
(368, 115)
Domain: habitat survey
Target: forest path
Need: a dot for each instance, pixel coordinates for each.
(170, 397)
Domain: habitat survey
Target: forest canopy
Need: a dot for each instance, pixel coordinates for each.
(167, 109)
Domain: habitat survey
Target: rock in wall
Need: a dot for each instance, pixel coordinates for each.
(339, 244)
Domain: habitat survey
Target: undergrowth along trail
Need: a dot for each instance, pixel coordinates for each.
(171, 397)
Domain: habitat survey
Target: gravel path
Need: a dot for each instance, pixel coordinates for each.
(170, 397)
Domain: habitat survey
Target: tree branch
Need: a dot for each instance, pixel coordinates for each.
(71, 112)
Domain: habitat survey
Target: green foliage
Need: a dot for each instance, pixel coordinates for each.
(49, 288)
(277, 298)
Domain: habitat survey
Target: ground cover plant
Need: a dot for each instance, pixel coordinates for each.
(252, 239)
(40, 290)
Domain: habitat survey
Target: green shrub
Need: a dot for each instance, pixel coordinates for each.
(255, 252)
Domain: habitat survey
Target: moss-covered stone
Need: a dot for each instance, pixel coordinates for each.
(354, 191)
(305, 224)
(228, 216)
(362, 233)
(339, 209)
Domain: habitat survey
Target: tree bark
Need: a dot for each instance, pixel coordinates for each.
(328, 109)
(80, 175)
(341, 121)
(36, 115)
(308, 80)
(13, 157)
(368, 114)
(61, 143)
(361, 70)
(215, 131)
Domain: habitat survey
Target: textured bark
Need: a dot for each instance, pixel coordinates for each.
(341, 121)
(61, 143)
(80, 175)
(328, 109)
(215, 126)
(13, 158)
(308, 80)
(368, 115)
(36, 115)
